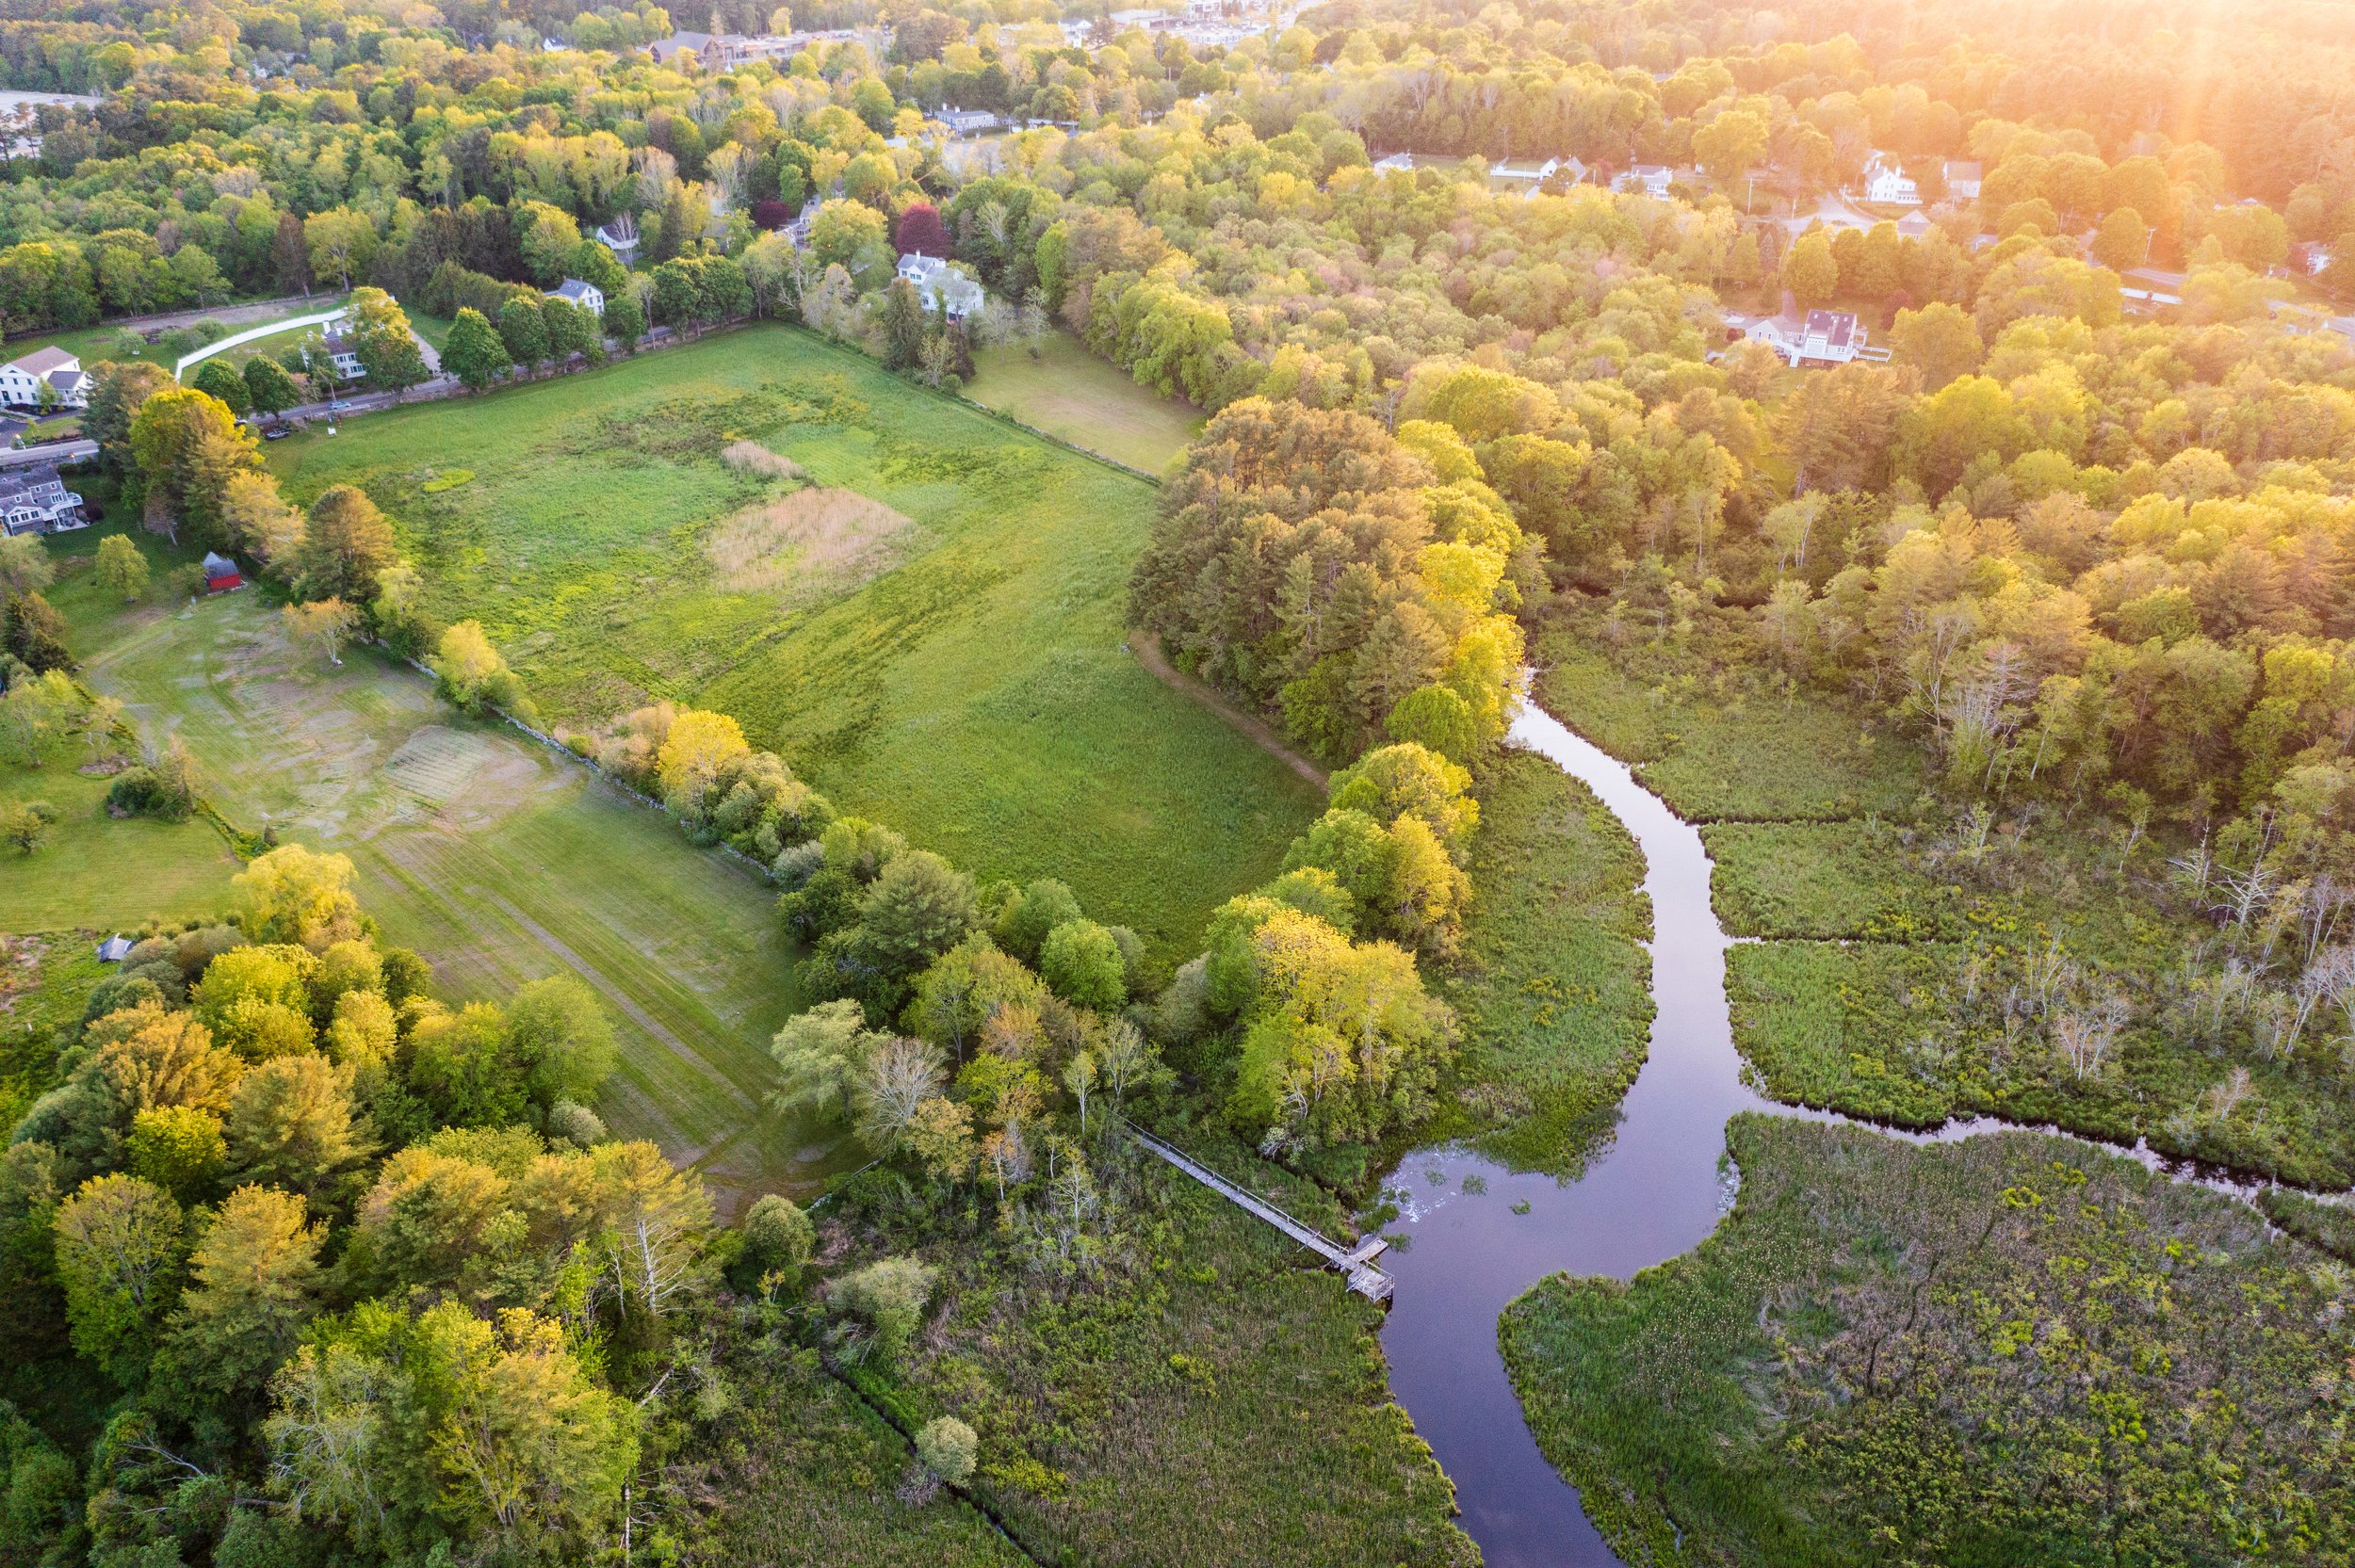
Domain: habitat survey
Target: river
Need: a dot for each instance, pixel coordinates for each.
(1655, 1189)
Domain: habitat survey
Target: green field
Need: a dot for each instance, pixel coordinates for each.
(1075, 396)
(498, 860)
(1552, 984)
(975, 694)
(2005, 1350)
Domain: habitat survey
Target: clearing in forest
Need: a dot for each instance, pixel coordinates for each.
(960, 677)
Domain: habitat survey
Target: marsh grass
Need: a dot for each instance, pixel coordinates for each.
(1862, 1366)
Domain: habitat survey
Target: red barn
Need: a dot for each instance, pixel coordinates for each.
(221, 574)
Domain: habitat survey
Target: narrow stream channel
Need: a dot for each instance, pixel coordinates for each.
(1653, 1192)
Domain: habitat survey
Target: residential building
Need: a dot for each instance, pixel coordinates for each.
(965, 122)
(1889, 184)
(588, 297)
(1819, 337)
(35, 501)
(115, 949)
(1652, 179)
(1963, 180)
(621, 237)
(1531, 171)
(797, 228)
(941, 286)
(342, 353)
(22, 381)
(1913, 226)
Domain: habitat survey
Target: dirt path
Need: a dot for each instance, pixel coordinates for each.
(1147, 649)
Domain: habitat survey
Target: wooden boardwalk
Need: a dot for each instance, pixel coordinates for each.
(1355, 1264)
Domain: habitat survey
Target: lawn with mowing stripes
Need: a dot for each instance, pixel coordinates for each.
(496, 859)
(976, 695)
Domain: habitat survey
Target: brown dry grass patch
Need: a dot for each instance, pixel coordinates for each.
(753, 458)
(819, 537)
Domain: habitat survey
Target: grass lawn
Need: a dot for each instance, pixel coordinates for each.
(1553, 985)
(2003, 1350)
(92, 344)
(498, 861)
(1072, 394)
(974, 695)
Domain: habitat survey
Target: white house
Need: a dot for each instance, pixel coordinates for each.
(37, 502)
(619, 236)
(22, 380)
(965, 122)
(342, 354)
(1395, 163)
(1653, 179)
(587, 296)
(1963, 180)
(940, 285)
(1820, 337)
(1526, 171)
(1887, 184)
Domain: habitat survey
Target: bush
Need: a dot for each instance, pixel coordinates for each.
(148, 792)
(949, 1449)
(778, 1235)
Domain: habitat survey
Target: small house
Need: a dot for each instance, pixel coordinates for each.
(1531, 171)
(339, 356)
(965, 122)
(1887, 184)
(621, 237)
(583, 295)
(1395, 163)
(221, 575)
(115, 949)
(1652, 179)
(1913, 226)
(23, 381)
(1964, 180)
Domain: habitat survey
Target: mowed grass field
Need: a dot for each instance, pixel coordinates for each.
(973, 692)
(1075, 396)
(498, 860)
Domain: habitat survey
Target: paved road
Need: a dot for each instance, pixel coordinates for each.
(56, 451)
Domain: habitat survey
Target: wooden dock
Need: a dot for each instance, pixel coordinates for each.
(1353, 1264)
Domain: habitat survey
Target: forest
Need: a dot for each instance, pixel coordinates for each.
(2001, 655)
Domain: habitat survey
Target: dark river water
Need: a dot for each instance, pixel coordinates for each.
(1653, 1190)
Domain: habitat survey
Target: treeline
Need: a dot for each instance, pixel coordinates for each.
(343, 1273)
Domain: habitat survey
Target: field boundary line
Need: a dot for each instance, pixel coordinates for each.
(1146, 648)
(978, 407)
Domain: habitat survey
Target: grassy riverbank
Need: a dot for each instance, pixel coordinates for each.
(2007, 1350)
(1914, 960)
(1553, 986)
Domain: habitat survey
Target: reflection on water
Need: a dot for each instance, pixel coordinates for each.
(1651, 1191)
(1654, 1189)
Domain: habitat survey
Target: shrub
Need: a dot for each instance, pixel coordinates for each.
(949, 1449)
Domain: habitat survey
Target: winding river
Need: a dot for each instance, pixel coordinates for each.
(1653, 1190)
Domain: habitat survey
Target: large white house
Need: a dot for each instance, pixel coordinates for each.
(1652, 179)
(1889, 185)
(1820, 337)
(587, 296)
(941, 286)
(23, 381)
